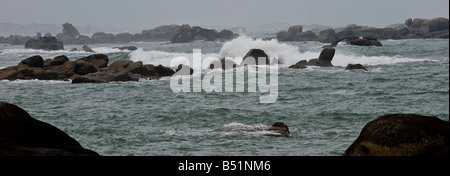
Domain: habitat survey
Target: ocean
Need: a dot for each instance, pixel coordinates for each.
(325, 108)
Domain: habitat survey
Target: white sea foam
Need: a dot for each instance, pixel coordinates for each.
(240, 46)
(21, 81)
(163, 58)
(254, 129)
(343, 60)
(290, 54)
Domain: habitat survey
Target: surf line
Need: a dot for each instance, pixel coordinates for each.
(258, 78)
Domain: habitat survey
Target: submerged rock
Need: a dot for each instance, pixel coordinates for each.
(402, 135)
(21, 134)
(278, 129)
(130, 48)
(356, 67)
(359, 41)
(87, 49)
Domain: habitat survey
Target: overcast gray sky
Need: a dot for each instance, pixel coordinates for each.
(151, 13)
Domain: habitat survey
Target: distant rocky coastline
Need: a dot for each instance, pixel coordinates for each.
(410, 29)
(174, 33)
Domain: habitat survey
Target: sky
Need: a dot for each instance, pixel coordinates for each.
(147, 14)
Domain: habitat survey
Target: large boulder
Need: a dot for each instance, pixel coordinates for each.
(402, 135)
(9, 73)
(99, 60)
(164, 71)
(69, 30)
(22, 135)
(160, 33)
(45, 43)
(34, 61)
(324, 60)
(58, 60)
(256, 54)
(326, 56)
(82, 67)
(105, 76)
(327, 36)
(433, 25)
(64, 71)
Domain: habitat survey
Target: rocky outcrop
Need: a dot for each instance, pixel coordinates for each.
(187, 34)
(86, 48)
(402, 135)
(69, 30)
(90, 69)
(295, 33)
(324, 60)
(327, 36)
(22, 135)
(428, 28)
(45, 43)
(161, 33)
(417, 28)
(256, 54)
(71, 35)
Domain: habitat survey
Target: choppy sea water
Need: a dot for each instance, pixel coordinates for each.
(324, 108)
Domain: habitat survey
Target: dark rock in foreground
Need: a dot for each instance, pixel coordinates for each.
(356, 67)
(90, 69)
(22, 135)
(45, 43)
(402, 135)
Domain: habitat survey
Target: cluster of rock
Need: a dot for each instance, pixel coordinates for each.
(174, 33)
(90, 69)
(402, 135)
(417, 28)
(23, 135)
(70, 35)
(254, 54)
(187, 34)
(324, 60)
(45, 43)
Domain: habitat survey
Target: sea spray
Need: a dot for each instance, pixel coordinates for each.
(286, 53)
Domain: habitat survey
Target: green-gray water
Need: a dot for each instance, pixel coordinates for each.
(325, 108)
